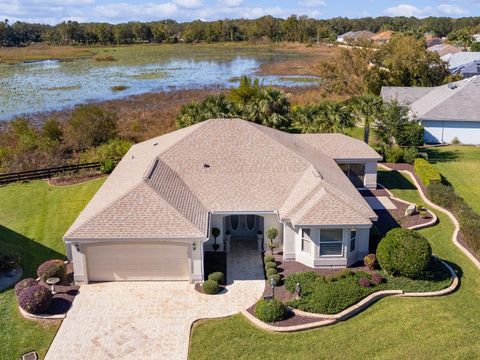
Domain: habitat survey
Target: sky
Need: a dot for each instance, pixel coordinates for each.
(55, 11)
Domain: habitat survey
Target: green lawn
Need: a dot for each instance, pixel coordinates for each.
(33, 219)
(393, 328)
(460, 165)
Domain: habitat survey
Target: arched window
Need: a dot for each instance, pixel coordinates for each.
(234, 221)
(251, 220)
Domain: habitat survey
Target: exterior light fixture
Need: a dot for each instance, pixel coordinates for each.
(194, 246)
(77, 247)
(273, 283)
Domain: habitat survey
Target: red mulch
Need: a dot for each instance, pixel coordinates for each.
(74, 179)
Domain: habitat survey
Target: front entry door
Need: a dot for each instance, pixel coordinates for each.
(244, 225)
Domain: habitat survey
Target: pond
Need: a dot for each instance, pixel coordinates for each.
(48, 85)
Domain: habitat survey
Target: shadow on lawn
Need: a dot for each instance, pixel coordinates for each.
(434, 155)
(394, 180)
(31, 252)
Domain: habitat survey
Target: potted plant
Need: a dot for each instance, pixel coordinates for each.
(272, 233)
(215, 234)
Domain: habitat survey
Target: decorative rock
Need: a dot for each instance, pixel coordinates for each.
(411, 210)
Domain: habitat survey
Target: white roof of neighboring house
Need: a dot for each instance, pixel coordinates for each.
(357, 35)
(457, 101)
(461, 59)
(166, 187)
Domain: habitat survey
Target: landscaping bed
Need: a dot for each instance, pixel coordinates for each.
(74, 178)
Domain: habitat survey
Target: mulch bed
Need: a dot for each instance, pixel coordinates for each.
(391, 218)
(74, 179)
(291, 320)
(65, 294)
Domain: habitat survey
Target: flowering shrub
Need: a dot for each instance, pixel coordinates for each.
(35, 299)
(370, 261)
(52, 268)
(23, 284)
(364, 282)
(376, 278)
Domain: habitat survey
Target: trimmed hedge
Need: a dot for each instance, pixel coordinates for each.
(468, 218)
(404, 252)
(23, 284)
(427, 172)
(217, 276)
(270, 265)
(271, 272)
(270, 311)
(35, 299)
(210, 287)
(52, 268)
(277, 278)
(269, 258)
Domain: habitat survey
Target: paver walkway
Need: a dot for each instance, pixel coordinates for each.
(152, 320)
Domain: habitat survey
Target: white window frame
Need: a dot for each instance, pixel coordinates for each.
(307, 239)
(342, 251)
(353, 239)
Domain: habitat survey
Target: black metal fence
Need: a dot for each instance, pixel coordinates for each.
(47, 173)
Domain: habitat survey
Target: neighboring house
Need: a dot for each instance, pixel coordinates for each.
(152, 218)
(464, 63)
(446, 112)
(382, 37)
(354, 36)
(476, 37)
(444, 49)
(432, 40)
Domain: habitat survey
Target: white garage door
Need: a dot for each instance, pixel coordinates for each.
(137, 261)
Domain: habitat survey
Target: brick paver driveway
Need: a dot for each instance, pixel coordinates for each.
(152, 320)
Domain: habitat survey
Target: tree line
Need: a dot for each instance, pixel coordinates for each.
(294, 28)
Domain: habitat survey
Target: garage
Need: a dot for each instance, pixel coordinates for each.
(137, 261)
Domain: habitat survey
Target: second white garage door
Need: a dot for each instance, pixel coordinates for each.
(137, 261)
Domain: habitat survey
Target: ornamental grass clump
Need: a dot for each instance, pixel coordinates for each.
(35, 299)
(270, 311)
(404, 252)
(51, 269)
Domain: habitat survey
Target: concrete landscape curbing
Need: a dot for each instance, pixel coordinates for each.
(28, 315)
(330, 319)
(439, 208)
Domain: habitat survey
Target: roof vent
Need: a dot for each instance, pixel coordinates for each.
(206, 166)
(317, 173)
(155, 143)
(452, 86)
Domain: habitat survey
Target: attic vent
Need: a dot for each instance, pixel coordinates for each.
(317, 173)
(452, 86)
(155, 143)
(206, 166)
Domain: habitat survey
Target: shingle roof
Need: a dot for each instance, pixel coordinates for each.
(461, 59)
(166, 187)
(404, 95)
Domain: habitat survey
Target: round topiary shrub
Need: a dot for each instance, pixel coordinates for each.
(270, 265)
(23, 284)
(269, 258)
(276, 277)
(210, 287)
(217, 276)
(404, 252)
(270, 311)
(271, 272)
(35, 299)
(52, 268)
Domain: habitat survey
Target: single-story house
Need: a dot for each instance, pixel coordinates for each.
(476, 37)
(444, 50)
(382, 37)
(353, 36)
(152, 219)
(465, 63)
(447, 112)
(431, 40)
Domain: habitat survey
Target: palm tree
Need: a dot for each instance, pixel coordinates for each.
(367, 109)
(326, 117)
(270, 108)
